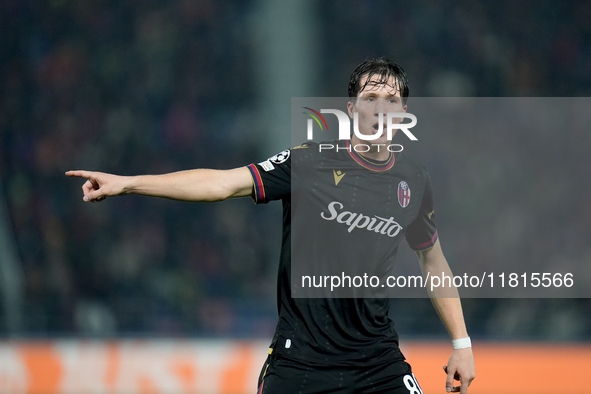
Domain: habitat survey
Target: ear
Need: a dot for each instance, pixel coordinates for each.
(404, 108)
(350, 108)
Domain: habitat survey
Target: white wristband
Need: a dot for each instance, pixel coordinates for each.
(461, 343)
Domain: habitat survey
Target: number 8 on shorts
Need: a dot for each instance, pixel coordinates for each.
(411, 384)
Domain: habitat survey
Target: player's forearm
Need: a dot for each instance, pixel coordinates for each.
(445, 298)
(446, 302)
(452, 317)
(190, 185)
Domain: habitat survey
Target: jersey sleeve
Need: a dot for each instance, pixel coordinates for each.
(422, 233)
(271, 178)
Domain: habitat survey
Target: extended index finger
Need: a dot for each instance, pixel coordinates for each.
(80, 173)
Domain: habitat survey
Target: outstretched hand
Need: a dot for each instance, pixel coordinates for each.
(460, 367)
(99, 185)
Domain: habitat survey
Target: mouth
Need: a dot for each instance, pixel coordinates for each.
(376, 128)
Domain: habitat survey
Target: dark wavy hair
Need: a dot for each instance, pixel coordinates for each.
(382, 68)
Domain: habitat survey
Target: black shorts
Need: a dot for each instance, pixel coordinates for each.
(286, 376)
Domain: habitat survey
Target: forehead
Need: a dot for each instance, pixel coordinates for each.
(379, 85)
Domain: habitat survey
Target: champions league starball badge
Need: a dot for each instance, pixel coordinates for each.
(280, 157)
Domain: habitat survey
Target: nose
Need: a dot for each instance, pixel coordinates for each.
(380, 107)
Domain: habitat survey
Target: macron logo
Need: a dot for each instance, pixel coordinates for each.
(338, 175)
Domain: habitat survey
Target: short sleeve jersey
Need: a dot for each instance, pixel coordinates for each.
(345, 211)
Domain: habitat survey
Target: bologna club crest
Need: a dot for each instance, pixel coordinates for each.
(403, 194)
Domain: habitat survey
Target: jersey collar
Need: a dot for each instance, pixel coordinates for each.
(370, 164)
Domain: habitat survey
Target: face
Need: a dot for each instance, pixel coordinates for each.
(374, 99)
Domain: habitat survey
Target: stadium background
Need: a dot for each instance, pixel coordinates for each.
(155, 86)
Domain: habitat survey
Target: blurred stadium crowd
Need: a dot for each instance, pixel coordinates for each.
(156, 86)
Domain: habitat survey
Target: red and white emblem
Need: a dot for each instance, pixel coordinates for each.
(403, 194)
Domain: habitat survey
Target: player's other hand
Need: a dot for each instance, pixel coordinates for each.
(99, 185)
(460, 367)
